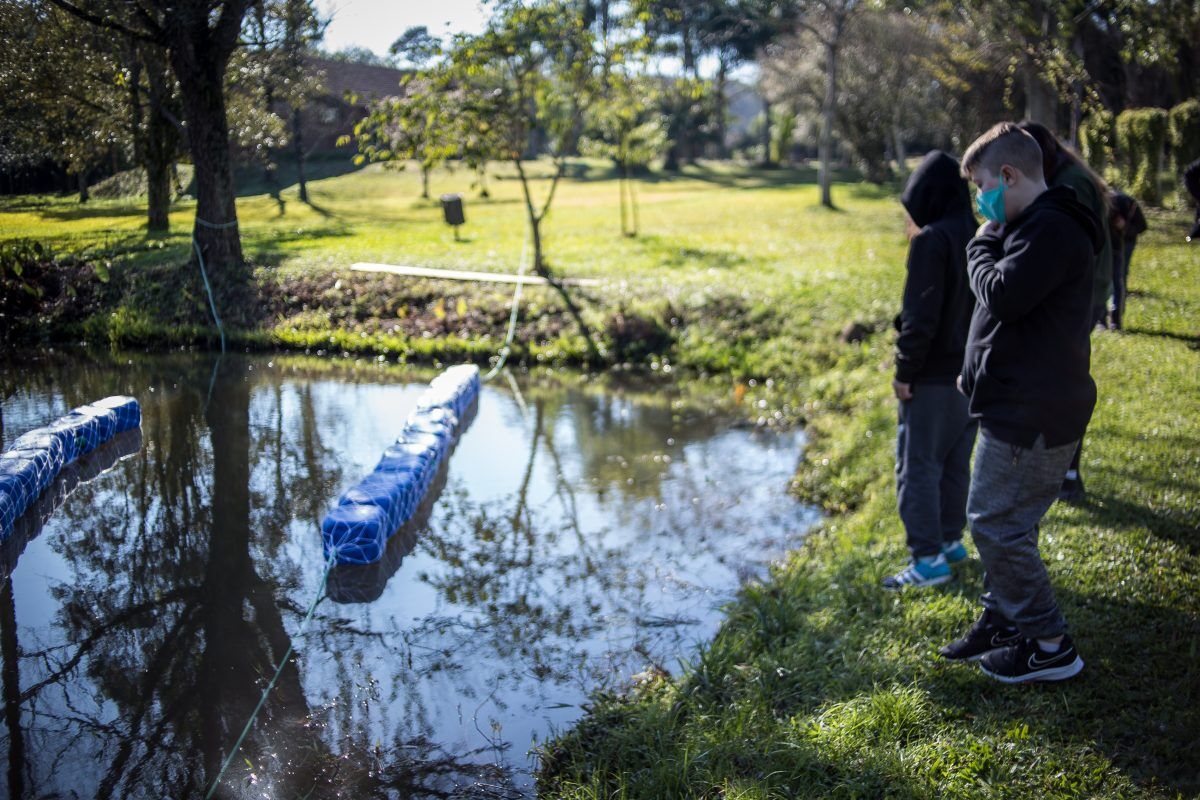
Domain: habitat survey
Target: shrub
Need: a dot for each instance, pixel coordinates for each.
(1097, 135)
(1141, 142)
(1184, 132)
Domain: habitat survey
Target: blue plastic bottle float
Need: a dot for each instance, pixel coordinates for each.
(34, 459)
(358, 528)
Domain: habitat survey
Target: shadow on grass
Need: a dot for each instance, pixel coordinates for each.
(80, 211)
(672, 255)
(253, 180)
(1192, 340)
(1137, 700)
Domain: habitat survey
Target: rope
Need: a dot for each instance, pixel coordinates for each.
(279, 671)
(506, 348)
(212, 303)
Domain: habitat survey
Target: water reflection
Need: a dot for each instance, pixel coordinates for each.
(583, 531)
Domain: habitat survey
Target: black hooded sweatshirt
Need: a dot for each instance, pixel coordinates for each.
(936, 311)
(1029, 352)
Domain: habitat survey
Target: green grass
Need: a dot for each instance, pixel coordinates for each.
(818, 684)
(717, 245)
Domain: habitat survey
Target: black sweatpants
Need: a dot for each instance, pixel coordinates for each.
(933, 462)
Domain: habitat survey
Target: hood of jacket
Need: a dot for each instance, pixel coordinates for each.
(1064, 200)
(936, 190)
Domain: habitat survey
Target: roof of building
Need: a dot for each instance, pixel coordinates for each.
(364, 80)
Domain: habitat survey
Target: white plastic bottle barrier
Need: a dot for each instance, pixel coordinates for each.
(356, 531)
(35, 459)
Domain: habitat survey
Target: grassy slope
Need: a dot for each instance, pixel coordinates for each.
(756, 240)
(819, 684)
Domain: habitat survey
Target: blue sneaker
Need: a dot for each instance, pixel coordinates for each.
(954, 551)
(925, 571)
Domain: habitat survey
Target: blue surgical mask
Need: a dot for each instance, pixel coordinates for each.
(991, 203)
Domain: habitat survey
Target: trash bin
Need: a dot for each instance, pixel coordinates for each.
(452, 210)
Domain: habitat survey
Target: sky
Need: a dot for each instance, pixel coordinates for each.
(375, 24)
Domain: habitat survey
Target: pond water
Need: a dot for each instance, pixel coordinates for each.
(583, 531)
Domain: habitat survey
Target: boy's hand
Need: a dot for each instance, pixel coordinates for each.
(958, 383)
(990, 228)
(903, 390)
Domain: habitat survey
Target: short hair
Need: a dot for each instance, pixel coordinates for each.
(1004, 143)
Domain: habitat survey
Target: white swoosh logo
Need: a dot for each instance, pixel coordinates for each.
(1035, 662)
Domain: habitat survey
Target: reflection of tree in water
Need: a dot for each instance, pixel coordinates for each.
(626, 439)
(169, 618)
(531, 588)
(179, 603)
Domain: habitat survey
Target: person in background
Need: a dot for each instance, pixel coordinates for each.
(1191, 181)
(935, 434)
(1061, 167)
(1027, 374)
(1126, 223)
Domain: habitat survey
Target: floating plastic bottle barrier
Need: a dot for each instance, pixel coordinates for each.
(358, 528)
(86, 468)
(35, 459)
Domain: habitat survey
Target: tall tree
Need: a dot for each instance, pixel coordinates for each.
(827, 21)
(60, 84)
(200, 37)
(625, 126)
(419, 125)
(527, 77)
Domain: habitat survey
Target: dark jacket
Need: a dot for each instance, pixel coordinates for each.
(1128, 209)
(1191, 179)
(936, 310)
(1068, 173)
(1028, 354)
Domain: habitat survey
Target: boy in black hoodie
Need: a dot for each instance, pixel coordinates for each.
(1191, 182)
(1026, 373)
(935, 432)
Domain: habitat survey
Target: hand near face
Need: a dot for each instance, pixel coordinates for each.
(989, 228)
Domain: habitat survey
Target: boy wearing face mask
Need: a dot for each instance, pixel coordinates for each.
(1026, 373)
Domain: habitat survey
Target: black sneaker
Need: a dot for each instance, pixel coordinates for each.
(1025, 662)
(1072, 491)
(989, 632)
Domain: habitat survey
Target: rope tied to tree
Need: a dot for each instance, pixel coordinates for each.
(212, 303)
(506, 348)
(312, 607)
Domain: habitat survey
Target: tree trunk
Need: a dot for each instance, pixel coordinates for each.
(900, 152)
(82, 181)
(483, 185)
(10, 675)
(767, 160)
(825, 143)
(631, 184)
(158, 188)
(159, 159)
(686, 141)
(621, 182)
(424, 182)
(1041, 102)
(161, 141)
(539, 263)
(722, 81)
(298, 149)
(216, 230)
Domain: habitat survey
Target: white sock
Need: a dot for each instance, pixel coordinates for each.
(1048, 646)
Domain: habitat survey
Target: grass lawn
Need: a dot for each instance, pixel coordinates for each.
(819, 684)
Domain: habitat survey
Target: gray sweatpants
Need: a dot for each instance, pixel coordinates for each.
(1012, 488)
(933, 466)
